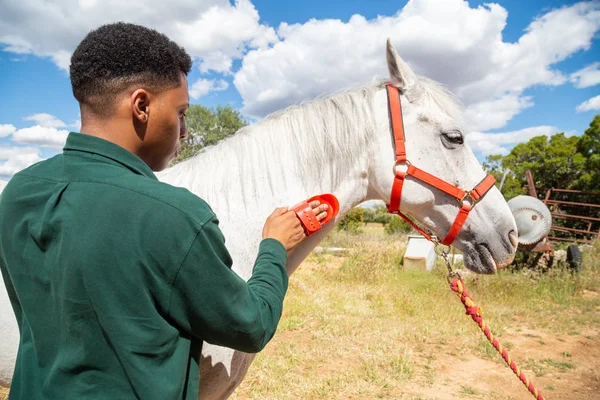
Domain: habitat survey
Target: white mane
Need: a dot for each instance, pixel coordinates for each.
(443, 97)
(338, 124)
(336, 127)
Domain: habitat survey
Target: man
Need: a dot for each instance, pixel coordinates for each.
(115, 278)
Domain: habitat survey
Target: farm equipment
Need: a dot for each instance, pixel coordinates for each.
(537, 232)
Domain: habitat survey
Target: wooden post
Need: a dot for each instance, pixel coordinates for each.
(547, 196)
(530, 184)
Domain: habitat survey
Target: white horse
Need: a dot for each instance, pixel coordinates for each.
(339, 144)
(9, 332)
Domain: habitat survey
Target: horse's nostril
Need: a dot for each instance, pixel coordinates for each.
(514, 239)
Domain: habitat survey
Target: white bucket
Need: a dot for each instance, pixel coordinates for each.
(420, 253)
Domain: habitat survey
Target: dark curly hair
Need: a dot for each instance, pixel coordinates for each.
(115, 56)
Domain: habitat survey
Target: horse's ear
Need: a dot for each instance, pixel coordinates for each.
(401, 75)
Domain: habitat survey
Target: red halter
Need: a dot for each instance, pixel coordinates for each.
(394, 207)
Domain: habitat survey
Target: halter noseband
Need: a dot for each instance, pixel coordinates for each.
(473, 196)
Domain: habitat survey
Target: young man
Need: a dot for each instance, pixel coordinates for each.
(115, 278)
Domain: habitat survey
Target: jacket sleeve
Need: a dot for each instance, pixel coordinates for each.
(211, 302)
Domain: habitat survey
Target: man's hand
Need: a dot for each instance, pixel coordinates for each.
(283, 225)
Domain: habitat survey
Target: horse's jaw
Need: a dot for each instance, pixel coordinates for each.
(489, 238)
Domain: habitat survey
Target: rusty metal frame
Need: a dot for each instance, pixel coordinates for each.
(589, 235)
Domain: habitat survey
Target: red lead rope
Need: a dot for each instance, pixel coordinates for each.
(458, 286)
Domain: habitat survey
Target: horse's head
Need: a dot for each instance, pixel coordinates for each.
(435, 143)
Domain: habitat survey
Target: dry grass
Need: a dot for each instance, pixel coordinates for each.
(360, 326)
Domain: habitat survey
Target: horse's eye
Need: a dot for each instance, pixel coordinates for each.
(453, 137)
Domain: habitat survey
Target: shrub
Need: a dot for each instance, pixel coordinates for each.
(352, 221)
(397, 225)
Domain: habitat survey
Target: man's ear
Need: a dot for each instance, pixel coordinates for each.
(140, 102)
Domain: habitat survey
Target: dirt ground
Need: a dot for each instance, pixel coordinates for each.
(576, 376)
(581, 381)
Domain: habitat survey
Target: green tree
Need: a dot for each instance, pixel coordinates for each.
(554, 162)
(589, 147)
(377, 214)
(368, 215)
(381, 215)
(397, 225)
(353, 221)
(512, 185)
(208, 126)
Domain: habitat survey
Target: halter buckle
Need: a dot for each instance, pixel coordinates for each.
(469, 197)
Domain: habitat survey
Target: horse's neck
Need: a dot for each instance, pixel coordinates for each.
(315, 148)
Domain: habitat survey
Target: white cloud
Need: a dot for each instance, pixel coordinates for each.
(459, 46)
(500, 143)
(586, 77)
(589, 104)
(202, 87)
(42, 136)
(62, 58)
(6, 129)
(14, 158)
(493, 114)
(46, 120)
(216, 61)
(222, 33)
(15, 44)
(213, 31)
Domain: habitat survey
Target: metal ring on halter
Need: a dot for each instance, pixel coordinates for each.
(468, 195)
(401, 163)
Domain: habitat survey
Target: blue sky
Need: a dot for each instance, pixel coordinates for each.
(521, 68)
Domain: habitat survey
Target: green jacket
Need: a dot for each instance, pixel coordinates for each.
(116, 279)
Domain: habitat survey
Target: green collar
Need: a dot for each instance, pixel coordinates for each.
(81, 142)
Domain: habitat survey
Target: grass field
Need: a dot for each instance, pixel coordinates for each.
(357, 325)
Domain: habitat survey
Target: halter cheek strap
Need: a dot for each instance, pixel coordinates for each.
(473, 196)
